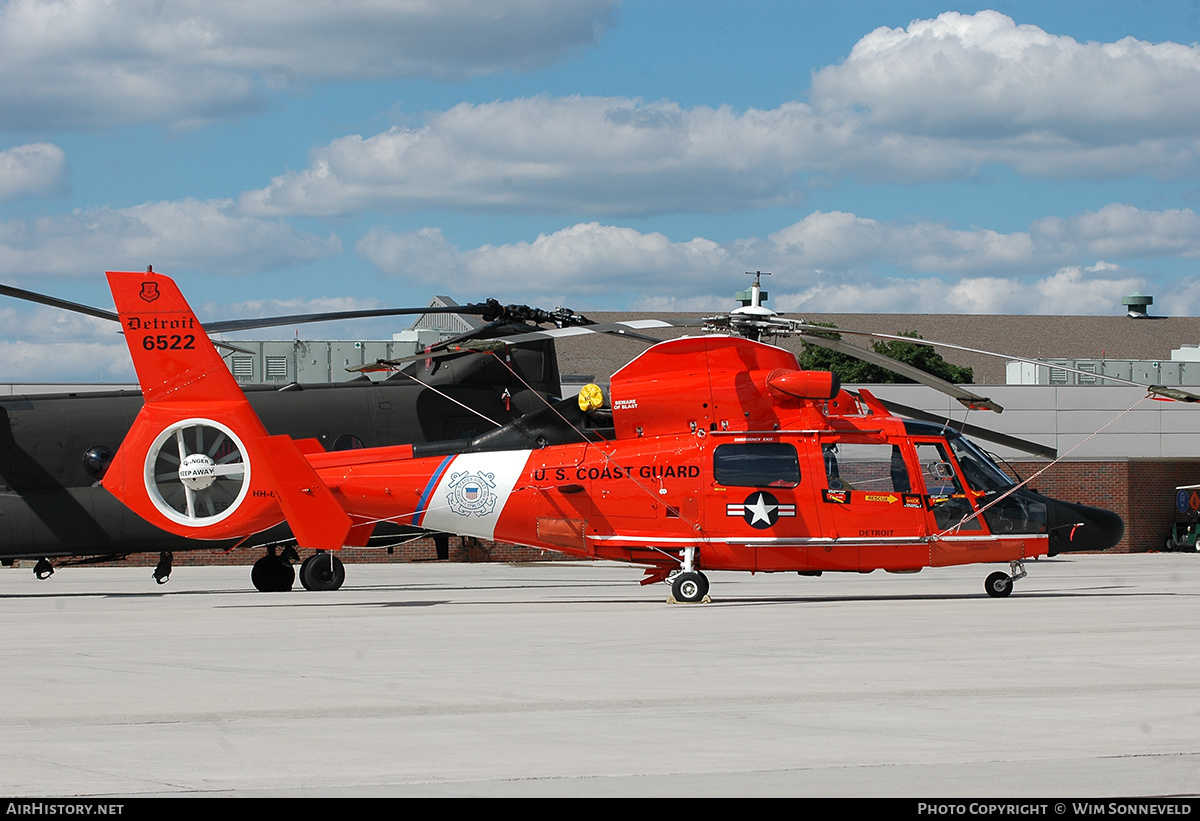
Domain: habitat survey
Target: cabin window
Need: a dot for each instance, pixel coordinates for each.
(869, 467)
(760, 464)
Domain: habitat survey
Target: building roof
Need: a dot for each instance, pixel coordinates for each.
(450, 324)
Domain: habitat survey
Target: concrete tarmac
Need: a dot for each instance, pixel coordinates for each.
(572, 680)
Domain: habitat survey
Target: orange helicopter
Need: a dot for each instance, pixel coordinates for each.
(708, 453)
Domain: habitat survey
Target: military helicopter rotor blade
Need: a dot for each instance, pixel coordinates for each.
(229, 325)
(491, 310)
(478, 342)
(464, 349)
(628, 328)
(55, 302)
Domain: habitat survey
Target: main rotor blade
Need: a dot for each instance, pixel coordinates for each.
(1165, 391)
(974, 431)
(971, 400)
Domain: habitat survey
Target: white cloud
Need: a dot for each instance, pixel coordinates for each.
(984, 76)
(826, 240)
(172, 236)
(585, 260)
(36, 168)
(1120, 230)
(592, 154)
(825, 262)
(1075, 290)
(66, 362)
(42, 344)
(938, 100)
(93, 63)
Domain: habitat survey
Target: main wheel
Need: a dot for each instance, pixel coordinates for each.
(322, 571)
(998, 585)
(689, 587)
(272, 574)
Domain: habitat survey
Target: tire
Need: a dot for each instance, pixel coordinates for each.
(689, 587)
(998, 585)
(322, 571)
(271, 574)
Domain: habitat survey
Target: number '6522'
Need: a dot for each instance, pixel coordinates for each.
(173, 342)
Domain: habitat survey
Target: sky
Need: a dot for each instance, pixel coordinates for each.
(284, 156)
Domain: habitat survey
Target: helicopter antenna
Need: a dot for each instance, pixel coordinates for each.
(756, 293)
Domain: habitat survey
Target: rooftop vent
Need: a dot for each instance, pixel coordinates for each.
(1136, 306)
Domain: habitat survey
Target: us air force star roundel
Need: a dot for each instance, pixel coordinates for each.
(471, 493)
(760, 510)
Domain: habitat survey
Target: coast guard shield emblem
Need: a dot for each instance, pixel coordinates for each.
(471, 493)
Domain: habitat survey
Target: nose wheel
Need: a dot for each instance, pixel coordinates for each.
(999, 585)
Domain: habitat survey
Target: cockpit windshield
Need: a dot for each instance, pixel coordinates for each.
(981, 473)
(1003, 511)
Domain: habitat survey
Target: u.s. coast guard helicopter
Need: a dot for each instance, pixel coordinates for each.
(724, 455)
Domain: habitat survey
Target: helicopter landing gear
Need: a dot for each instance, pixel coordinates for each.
(274, 574)
(999, 585)
(322, 571)
(43, 569)
(689, 585)
(162, 571)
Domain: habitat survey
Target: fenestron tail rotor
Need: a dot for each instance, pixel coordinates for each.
(197, 472)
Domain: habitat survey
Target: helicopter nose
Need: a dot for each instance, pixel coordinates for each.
(1078, 528)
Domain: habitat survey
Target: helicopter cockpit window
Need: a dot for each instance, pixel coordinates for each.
(948, 500)
(870, 467)
(1004, 512)
(96, 461)
(758, 464)
(978, 469)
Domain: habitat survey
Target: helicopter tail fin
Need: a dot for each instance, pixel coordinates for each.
(198, 461)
